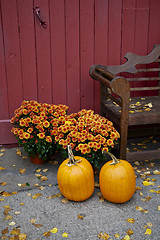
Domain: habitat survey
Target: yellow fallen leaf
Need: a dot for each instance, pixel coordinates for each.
(158, 208)
(80, 216)
(141, 209)
(8, 217)
(54, 230)
(7, 206)
(117, 235)
(130, 232)
(17, 212)
(45, 170)
(3, 150)
(130, 220)
(64, 200)
(149, 224)
(156, 172)
(147, 183)
(33, 220)
(38, 170)
(152, 190)
(148, 231)
(22, 236)
(15, 231)
(22, 171)
(127, 237)
(2, 168)
(1, 199)
(36, 195)
(6, 194)
(12, 223)
(1, 154)
(103, 236)
(65, 235)
(44, 178)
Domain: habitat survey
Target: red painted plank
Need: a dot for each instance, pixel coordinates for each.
(154, 33)
(27, 45)
(128, 30)
(141, 37)
(57, 28)
(114, 41)
(3, 88)
(6, 136)
(101, 43)
(72, 54)
(86, 52)
(12, 54)
(43, 53)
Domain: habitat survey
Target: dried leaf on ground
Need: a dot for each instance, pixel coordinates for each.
(44, 178)
(3, 183)
(22, 236)
(130, 220)
(130, 232)
(148, 231)
(37, 225)
(64, 200)
(54, 230)
(36, 195)
(33, 220)
(148, 183)
(6, 194)
(117, 235)
(46, 234)
(5, 231)
(2, 168)
(15, 231)
(156, 172)
(12, 223)
(103, 236)
(141, 209)
(65, 235)
(127, 237)
(80, 216)
(22, 171)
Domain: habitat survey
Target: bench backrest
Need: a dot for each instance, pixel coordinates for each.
(143, 73)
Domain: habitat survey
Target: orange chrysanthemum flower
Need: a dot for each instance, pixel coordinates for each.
(48, 139)
(26, 135)
(46, 124)
(41, 135)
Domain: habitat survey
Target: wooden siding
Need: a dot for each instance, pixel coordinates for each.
(51, 64)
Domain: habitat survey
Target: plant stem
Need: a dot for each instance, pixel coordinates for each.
(71, 159)
(115, 160)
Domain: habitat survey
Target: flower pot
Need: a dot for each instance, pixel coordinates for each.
(37, 160)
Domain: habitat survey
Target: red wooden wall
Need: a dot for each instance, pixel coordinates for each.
(52, 64)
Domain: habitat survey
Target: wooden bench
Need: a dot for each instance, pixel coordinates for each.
(131, 99)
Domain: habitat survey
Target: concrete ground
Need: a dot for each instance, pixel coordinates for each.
(31, 206)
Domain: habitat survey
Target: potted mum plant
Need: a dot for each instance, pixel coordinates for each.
(33, 128)
(89, 135)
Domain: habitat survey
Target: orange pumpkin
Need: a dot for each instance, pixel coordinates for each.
(117, 180)
(75, 178)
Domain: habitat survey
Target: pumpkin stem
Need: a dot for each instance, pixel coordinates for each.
(71, 159)
(115, 160)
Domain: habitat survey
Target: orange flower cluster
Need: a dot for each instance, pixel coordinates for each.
(33, 125)
(86, 132)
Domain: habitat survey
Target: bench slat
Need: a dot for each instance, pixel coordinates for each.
(144, 88)
(144, 79)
